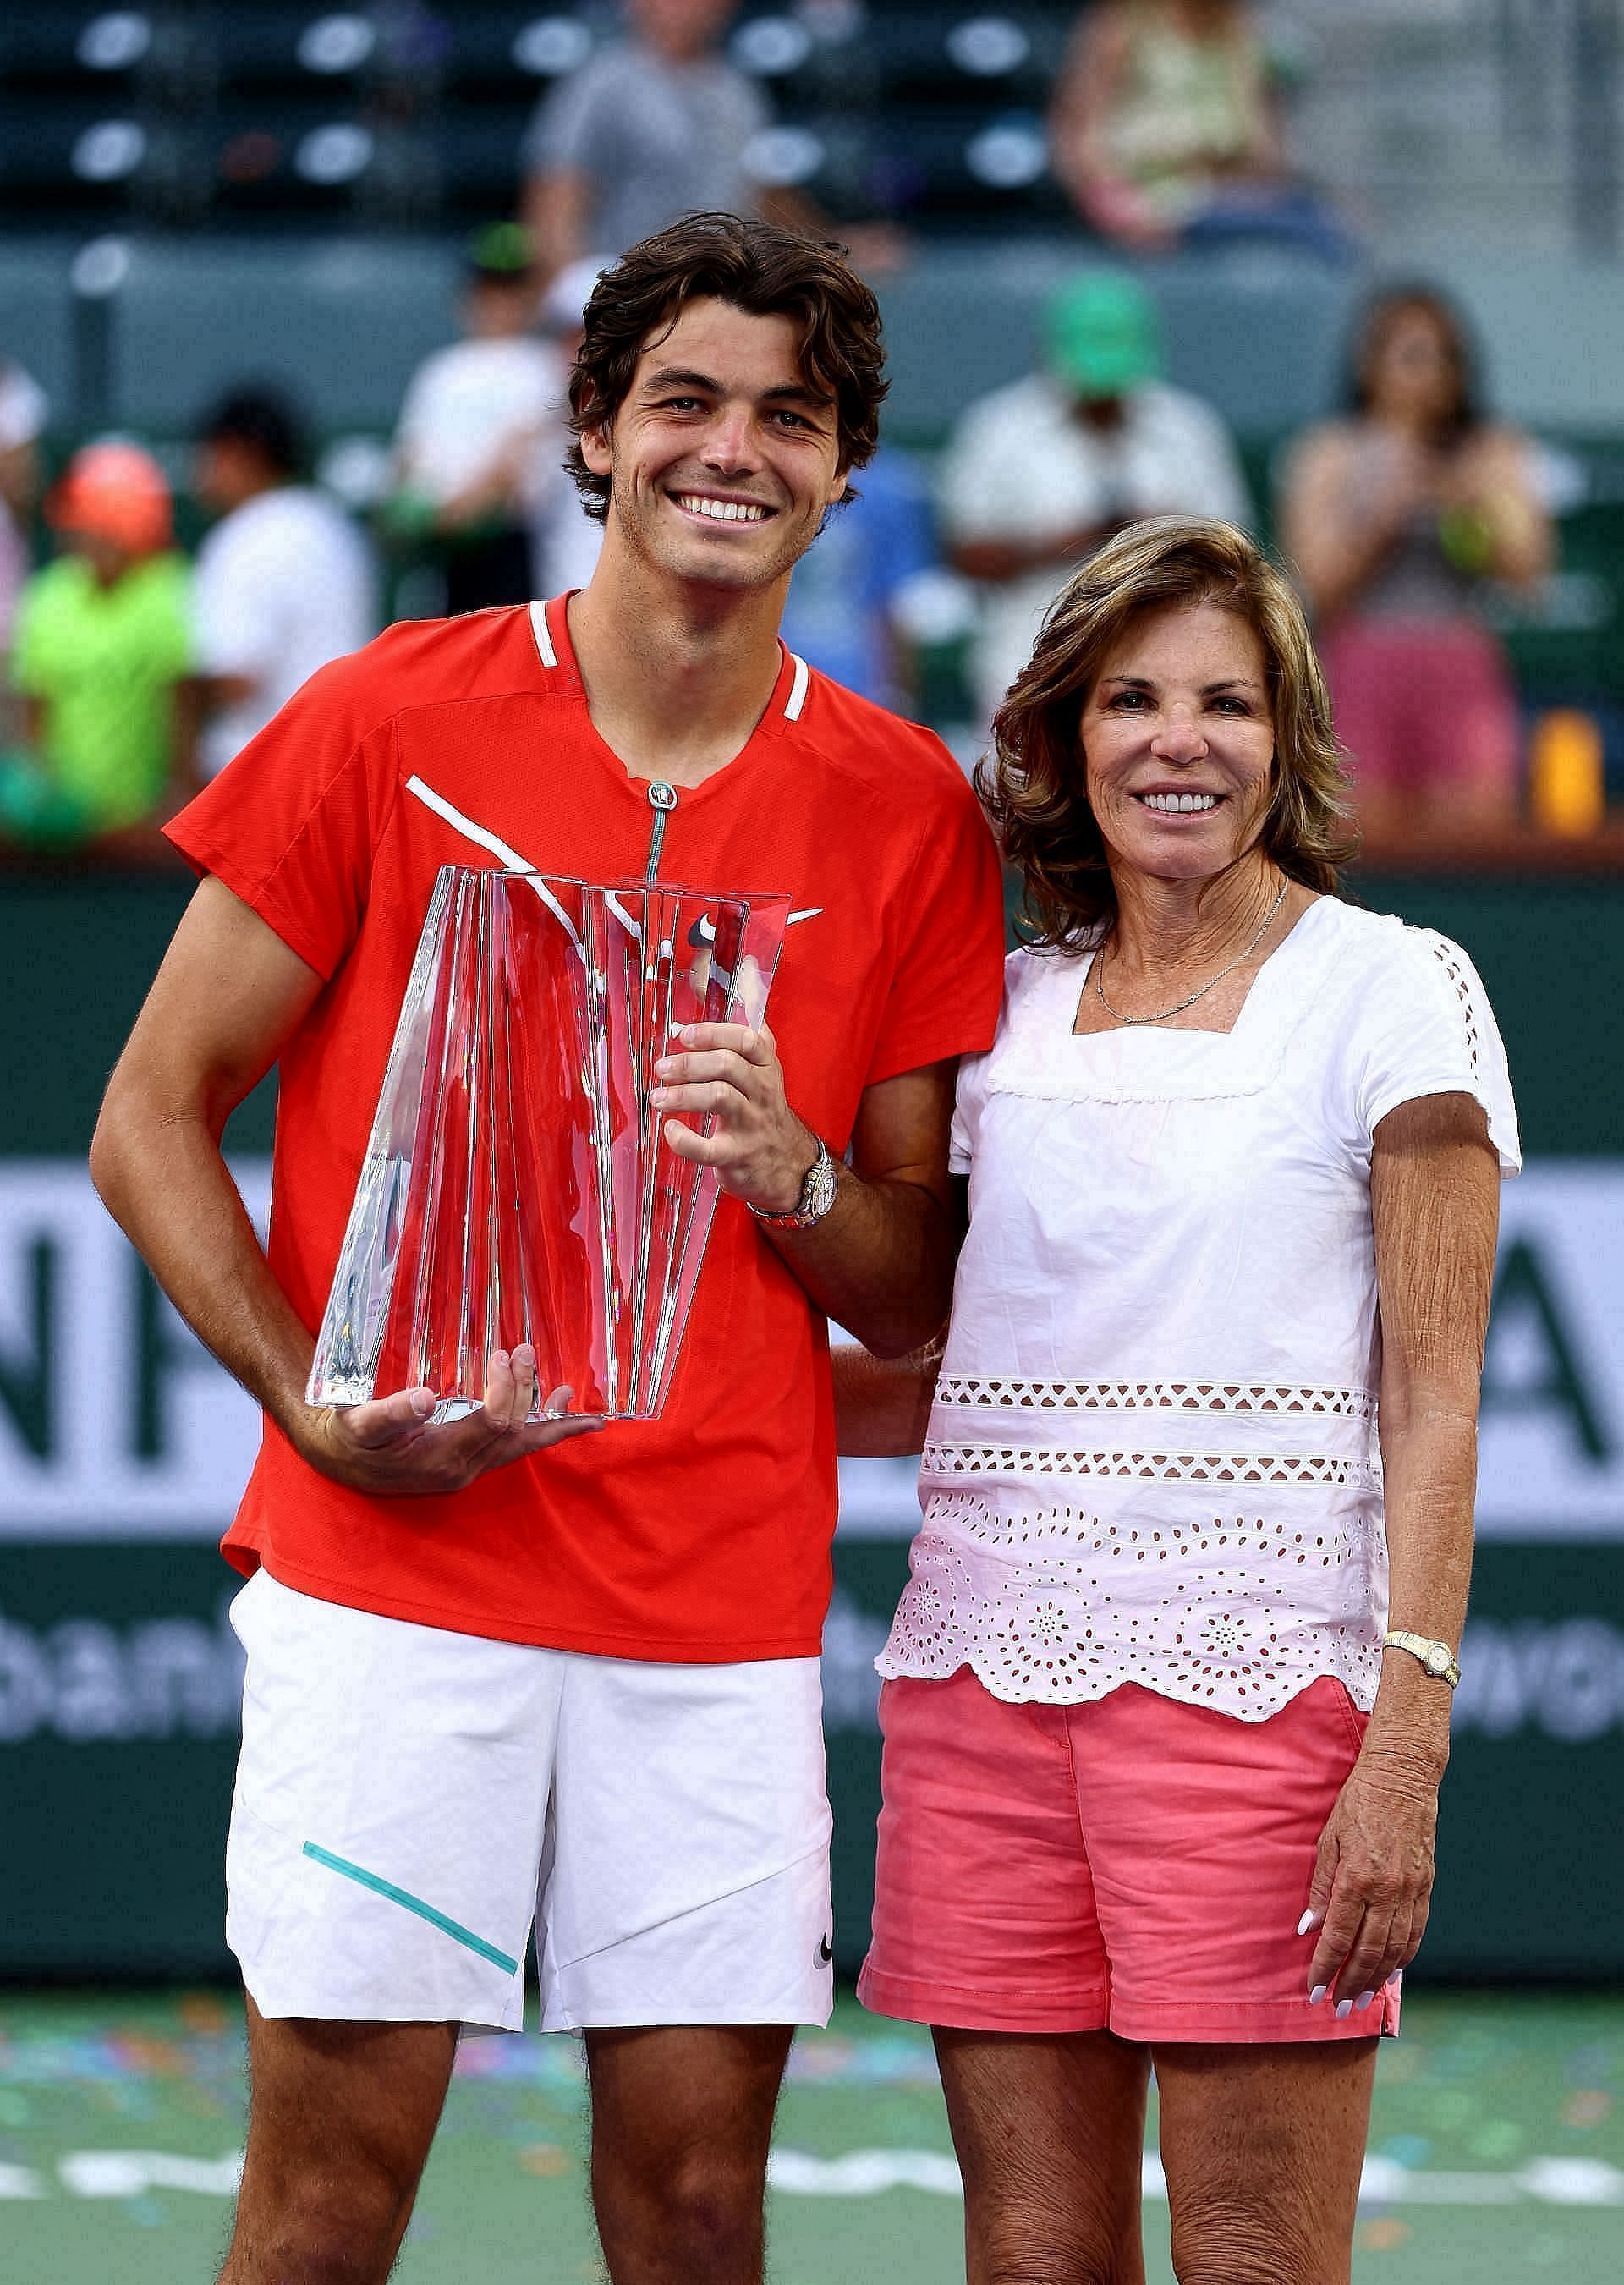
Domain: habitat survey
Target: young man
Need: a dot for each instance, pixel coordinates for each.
(488, 1680)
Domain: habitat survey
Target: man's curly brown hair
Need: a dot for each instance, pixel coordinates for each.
(756, 267)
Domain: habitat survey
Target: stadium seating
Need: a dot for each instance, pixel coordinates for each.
(409, 114)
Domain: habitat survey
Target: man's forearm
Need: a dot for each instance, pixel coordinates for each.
(880, 1262)
(166, 1184)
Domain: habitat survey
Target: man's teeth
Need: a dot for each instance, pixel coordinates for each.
(722, 511)
(1179, 804)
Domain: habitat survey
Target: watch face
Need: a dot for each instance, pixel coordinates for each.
(1437, 1659)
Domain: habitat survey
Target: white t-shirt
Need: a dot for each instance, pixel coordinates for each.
(1020, 466)
(282, 585)
(1152, 1454)
(471, 405)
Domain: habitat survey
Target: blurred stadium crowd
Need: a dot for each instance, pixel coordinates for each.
(160, 595)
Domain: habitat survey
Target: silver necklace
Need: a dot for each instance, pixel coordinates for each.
(1201, 990)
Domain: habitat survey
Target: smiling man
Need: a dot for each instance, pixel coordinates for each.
(500, 1671)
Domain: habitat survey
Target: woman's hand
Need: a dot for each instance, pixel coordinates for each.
(1372, 1881)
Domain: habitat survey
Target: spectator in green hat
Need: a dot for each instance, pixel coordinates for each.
(480, 428)
(1040, 472)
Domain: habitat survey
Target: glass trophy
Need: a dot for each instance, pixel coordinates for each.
(518, 1185)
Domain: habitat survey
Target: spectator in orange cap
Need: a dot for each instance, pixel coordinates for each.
(101, 642)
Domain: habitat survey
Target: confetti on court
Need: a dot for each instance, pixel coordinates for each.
(1496, 2152)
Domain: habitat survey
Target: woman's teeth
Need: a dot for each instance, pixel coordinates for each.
(1180, 804)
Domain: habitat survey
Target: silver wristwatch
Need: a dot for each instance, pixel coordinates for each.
(817, 1197)
(1437, 1657)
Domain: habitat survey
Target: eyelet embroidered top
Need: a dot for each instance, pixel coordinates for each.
(1152, 1453)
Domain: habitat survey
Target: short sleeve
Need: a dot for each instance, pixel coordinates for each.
(1219, 480)
(559, 139)
(176, 646)
(1425, 1027)
(968, 1100)
(903, 536)
(291, 825)
(981, 488)
(26, 668)
(231, 614)
(946, 984)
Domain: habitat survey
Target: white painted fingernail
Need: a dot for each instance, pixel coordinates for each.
(1364, 1999)
(1310, 1920)
(1345, 2007)
(1317, 1994)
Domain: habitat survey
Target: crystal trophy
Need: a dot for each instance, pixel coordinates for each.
(518, 1185)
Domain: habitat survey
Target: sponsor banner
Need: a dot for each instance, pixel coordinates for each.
(114, 1423)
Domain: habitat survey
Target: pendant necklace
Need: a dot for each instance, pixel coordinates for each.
(1201, 991)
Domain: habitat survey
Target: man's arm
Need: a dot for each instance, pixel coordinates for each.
(881, 1261)
(557, 202)
(228, 998)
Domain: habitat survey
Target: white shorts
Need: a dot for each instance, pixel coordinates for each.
(410, 1801)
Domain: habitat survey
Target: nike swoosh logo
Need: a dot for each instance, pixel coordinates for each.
(810, 914)
(825, 1951)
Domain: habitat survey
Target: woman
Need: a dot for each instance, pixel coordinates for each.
(1155, 1792)
(1163, 130)
(1396, 517)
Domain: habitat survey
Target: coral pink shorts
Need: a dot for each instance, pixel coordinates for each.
(1131, 1865)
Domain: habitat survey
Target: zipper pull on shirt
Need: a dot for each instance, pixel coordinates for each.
(661, 800)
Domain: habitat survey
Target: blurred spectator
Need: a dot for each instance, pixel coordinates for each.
(1038, 473)
(283, 583)
(475, 425)
(564, 539)
(1395, 517)
(22, 422)
(101, 641)
(848, 612)
(1164, 130)
(656, 125)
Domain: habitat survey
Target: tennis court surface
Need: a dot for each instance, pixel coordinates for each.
(1497, 2151)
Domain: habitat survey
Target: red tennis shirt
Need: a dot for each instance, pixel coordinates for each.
(703, 1535)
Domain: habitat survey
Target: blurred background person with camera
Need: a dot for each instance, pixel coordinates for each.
(1400, 517)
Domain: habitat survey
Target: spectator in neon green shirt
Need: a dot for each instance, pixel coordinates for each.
(100, 646)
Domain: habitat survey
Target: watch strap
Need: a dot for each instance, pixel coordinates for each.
(1437, 1657)
(817, 1187)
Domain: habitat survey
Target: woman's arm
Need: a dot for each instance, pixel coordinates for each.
(1497, 486)
(1435, 1202)
(881, 1407)
(1335, 536)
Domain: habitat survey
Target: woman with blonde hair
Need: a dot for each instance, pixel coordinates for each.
(1167, 1698)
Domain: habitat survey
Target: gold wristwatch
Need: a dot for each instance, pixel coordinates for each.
(1437, 1657)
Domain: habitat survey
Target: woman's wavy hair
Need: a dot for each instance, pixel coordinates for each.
(1033, 781)
(758, 268)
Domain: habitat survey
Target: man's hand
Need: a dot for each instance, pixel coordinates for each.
(393, 1447)
(731, 1077)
